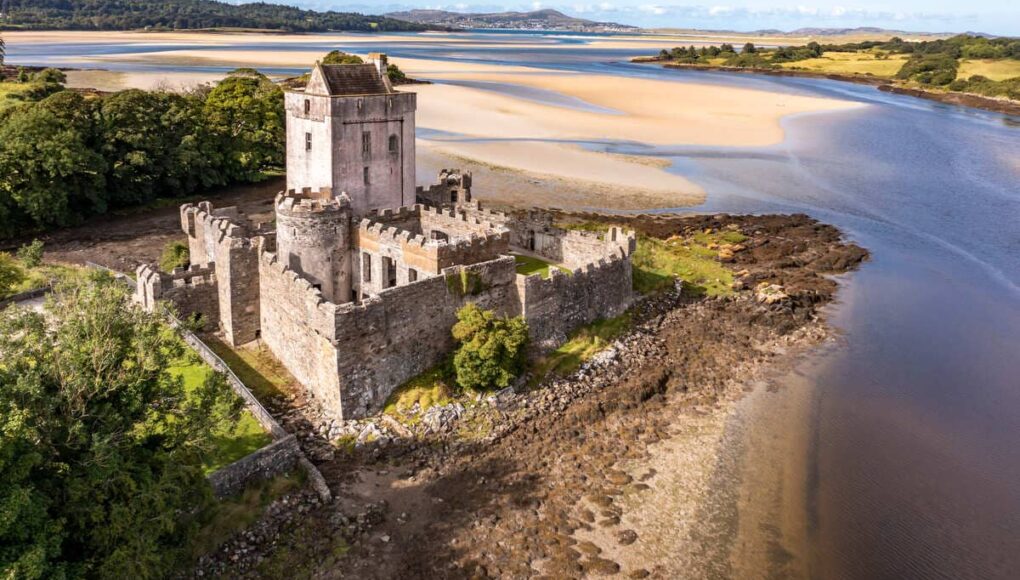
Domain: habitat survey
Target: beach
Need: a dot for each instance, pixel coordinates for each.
(543, 147)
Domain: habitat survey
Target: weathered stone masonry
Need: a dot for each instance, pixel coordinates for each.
(355, 299)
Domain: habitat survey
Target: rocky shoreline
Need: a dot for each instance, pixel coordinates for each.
(949, 97)
(544, 481)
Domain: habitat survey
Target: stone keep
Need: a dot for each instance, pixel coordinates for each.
(349, 131)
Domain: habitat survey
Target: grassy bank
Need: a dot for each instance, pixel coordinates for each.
(230, 440)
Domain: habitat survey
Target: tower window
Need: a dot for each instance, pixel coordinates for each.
(365, 176)
(366, 143)
(308, 141)
(389, 271)
(412, 275)
(394, 144)
(308, 106)
(366, 267)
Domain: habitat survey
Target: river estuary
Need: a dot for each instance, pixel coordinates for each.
(896, 453)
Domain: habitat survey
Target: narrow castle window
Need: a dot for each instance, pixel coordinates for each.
(365, 175)
(366, 267)
(366, 143)
(394, 144)
(308, 106)
(412, 275)
(308, 141)
(390, 271)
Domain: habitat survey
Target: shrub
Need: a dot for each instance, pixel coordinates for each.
(10, 274)
(31, 254)
(491, 351)
(175, 255)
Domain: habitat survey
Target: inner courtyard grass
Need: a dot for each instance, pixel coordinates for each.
(230, 440)
(528, 265)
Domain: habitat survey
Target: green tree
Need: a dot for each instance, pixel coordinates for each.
(395, 75)
(100, 472)
(31, 254)
(338, 57)
(749, 48)
(50, 76)
(492, 349)
(246, 119)
(10, 276)
(50, 170)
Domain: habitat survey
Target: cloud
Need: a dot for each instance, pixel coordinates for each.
(652, 9)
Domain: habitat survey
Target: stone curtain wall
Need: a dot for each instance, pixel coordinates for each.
(299, 326)
(395, 336)
(221, 236)
(555, 306)
(453, 186)
(352, 356)
(191, 291)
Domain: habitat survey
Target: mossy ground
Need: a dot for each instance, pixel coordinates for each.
(230, 440)
(529, 265)
(582, 345)
(432, 388)
(694, 259)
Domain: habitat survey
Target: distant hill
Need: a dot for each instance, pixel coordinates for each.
(185, 15)
(537, 20)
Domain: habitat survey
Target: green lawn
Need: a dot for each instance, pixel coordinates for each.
(42, 275)
(529, 265)
(584, 343)
(859, 63)
(230, 441)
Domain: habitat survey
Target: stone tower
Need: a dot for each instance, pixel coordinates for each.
(349, 131)
(313, 239)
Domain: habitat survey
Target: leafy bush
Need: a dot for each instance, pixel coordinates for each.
(175, 255)
(31, 254)
(491, 351)
(10, 274)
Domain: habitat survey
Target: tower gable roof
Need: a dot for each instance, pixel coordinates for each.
(338, 80)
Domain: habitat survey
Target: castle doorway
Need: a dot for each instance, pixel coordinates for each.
(531, 240)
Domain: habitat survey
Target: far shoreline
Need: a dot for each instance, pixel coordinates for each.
(884, 85)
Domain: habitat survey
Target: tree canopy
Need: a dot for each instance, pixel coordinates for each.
(100, 458)
(491, 351)
(188, 14)
(69, 156)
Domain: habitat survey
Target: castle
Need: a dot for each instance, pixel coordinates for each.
(357, 284)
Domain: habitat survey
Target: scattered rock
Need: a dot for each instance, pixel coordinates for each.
(626, 537)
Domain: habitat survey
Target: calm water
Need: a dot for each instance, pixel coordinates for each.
(914, 461)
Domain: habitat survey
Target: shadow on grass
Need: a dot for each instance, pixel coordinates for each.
(256, 369)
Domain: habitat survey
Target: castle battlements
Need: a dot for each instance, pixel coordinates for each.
(308, 201)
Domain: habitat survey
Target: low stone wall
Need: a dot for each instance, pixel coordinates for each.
(23, 296)
(280, 456)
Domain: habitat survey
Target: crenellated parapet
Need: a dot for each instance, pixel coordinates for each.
(309, 202)
(191, 290)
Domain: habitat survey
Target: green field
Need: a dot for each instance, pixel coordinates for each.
(528, 265)
(852, 63)
(997, 70)
(694, 259)
(230, 441)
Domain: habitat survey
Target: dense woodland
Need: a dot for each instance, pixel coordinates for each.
(186, 14)
(932, 63)
(65, 156)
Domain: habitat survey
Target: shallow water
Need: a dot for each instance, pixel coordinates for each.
(910, 459)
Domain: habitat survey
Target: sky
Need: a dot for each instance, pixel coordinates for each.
(994, 16)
